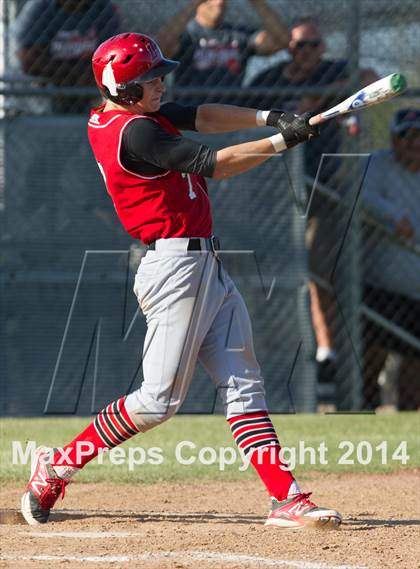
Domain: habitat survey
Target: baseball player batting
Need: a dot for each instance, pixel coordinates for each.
(156, 179)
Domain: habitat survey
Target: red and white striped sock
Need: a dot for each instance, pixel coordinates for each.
(255, 435)
(111, 427)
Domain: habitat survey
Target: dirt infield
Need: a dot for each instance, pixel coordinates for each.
(217, 525)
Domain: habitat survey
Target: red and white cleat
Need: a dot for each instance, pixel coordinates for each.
(298, 511)
(43, 489)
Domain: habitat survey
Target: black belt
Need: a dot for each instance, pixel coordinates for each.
(194, 244)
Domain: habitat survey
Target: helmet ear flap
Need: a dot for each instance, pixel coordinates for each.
(133, 92)
(129, 94)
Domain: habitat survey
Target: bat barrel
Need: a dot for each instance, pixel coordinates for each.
(376, 92)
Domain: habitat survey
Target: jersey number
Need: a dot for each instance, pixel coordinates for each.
(191, 193)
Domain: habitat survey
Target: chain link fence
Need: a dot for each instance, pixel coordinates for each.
(330, 278)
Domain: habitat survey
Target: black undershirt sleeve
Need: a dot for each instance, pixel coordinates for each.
(149, 150)
(181, 116)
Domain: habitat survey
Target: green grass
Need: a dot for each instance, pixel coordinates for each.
(212, 431)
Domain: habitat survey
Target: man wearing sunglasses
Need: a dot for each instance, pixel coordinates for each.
(392, 264)
(305, 68)
(308, 68)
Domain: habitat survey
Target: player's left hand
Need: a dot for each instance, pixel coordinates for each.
(294, 128)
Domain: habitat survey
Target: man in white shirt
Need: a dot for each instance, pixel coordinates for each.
(391, 195)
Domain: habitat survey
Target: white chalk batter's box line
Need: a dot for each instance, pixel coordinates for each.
(183, 557)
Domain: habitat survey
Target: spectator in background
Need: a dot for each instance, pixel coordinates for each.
(56, 40)
(213, 52)
(392, 268)
(307, 67)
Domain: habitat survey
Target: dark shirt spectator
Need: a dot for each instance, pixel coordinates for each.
(214, 52)
(307, 68)
(214, 57)
(325, 73)
(56, 40)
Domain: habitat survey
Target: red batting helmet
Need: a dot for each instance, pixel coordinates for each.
(121, 63)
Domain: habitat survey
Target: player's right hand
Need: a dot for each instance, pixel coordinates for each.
(294, 128)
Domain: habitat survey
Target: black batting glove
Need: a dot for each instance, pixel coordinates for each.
(294, 128)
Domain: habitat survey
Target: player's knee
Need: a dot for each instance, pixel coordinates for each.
(165, 411)
(157, 413)
(245, 396)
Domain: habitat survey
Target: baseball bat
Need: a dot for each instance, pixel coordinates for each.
(376, 92)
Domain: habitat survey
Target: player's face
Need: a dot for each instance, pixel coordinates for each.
(152, 95)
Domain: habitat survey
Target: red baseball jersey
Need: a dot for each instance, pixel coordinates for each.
(171, 204)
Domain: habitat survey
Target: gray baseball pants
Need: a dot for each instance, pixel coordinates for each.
(193, 312)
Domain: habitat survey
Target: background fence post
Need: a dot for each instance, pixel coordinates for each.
(305, 384)
(348, 274)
